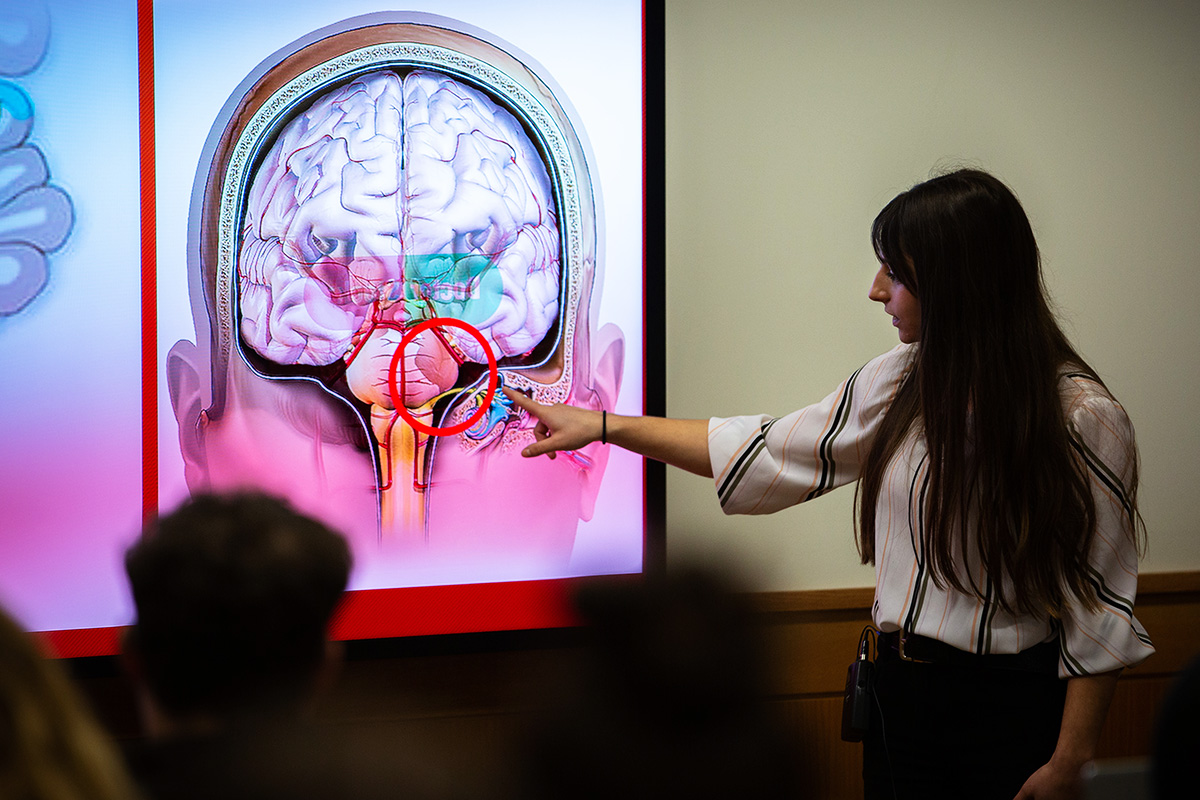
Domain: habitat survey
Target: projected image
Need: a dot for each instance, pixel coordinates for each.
(300, 247)
(384, 240)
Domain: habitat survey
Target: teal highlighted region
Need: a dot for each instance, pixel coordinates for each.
(14, 100)
(466, 286)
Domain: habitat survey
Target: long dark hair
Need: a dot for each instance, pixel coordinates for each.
(984, 393)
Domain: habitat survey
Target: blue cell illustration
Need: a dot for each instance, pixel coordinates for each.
(24, 30)
(16, 114)
(35, 217)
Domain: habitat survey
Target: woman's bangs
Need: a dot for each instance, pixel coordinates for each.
(886, 236)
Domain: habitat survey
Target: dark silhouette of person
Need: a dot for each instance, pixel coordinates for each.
(668, 699)
(234, 596)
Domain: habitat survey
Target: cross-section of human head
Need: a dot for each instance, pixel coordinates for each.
(381, 241)
(394, 200)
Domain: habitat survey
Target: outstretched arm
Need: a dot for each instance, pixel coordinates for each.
(681, 443)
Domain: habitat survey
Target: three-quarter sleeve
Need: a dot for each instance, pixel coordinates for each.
(1109, 637)
(763, 464)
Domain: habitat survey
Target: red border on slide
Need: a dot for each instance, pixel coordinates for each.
(392, 613)
(149, 265)
(106, 641)
(468, 608)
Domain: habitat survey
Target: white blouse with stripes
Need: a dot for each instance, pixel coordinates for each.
(763, 464)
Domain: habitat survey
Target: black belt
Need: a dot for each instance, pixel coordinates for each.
(1042, 658)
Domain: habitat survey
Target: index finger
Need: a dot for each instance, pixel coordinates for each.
(522, 401)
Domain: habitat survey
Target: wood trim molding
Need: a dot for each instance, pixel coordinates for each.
(1150, 585)
(853, 599)
(1168, 583)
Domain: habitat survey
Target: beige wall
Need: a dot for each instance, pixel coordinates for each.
(789, 124)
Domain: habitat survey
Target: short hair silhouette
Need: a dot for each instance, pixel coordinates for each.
(668, 698)
(234, 595)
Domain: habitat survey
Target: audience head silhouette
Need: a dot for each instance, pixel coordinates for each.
(233, 596)
(668, 698)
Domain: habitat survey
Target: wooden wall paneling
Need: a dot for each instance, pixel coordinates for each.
(1168, 605)
(830, 769)
(1129, 727)
(809, 653)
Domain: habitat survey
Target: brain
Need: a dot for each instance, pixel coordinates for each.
(393, 199)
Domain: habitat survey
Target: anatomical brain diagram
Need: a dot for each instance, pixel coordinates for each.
(402, 231)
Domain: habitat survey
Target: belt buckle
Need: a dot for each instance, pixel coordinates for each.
(905, 656)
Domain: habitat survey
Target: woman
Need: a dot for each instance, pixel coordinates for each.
(997, 499)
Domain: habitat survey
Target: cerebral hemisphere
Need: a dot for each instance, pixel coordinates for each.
(393, 199)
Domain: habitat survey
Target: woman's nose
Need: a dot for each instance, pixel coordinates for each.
(879, 287)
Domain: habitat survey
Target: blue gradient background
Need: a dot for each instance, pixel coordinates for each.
(70, 396)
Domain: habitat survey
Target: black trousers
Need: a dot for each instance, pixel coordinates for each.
(958, 732)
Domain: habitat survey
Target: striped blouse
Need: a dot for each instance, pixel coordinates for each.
(763, 464)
